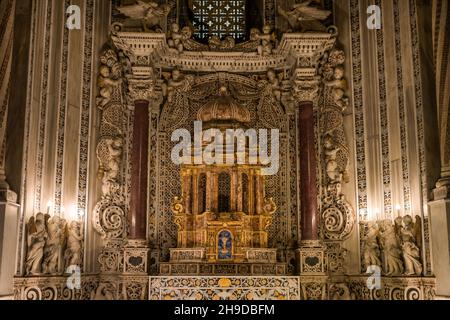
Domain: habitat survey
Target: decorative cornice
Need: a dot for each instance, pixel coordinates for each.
(296, 49)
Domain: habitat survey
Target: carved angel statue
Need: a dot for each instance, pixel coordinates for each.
(72, 255)
(174, 82)
(371, 248)
(109, 153)
(332, 167)
(36, 236)
(411, 252)
(339, 85)
(175, 39)
(393, 264)
(106, 83)
(266, 46)
(304, 17)
(151, 14)
(109, 77)
(274, 83)
(53, 246)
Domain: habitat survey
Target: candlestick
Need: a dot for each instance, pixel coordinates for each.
(49, 205)
(398, 208)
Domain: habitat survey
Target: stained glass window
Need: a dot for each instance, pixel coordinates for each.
(219, 18)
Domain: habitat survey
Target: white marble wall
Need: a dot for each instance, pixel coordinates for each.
(60, 135)
(392, 122)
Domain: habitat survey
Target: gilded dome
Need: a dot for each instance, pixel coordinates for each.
(223, 108)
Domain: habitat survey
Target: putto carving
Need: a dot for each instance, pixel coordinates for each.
(305, 16)
(109, 154)
(175, 81)
(266, 46)
(74, 250)
(175, 39)
(151, 14)
(274, 83)
(110, 73)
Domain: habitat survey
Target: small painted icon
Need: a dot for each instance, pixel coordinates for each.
(225, 245)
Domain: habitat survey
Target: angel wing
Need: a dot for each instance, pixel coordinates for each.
(312, 13)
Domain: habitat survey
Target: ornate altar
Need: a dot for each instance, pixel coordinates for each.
(223, 214)
(201, 230)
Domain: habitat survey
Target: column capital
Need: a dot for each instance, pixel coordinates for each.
(305, 89)
(140, 90)
(141, 84)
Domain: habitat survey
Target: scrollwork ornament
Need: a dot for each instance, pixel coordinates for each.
(337, 215)
(109, 219)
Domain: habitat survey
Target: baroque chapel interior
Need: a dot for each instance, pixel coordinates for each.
(224, 150)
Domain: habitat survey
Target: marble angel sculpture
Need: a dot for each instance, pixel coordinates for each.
(304, 17)
(56, 229)
(109, 153)
(393, 264)
(371, 248)
(109, 77)
(339, 85)
(72, 255)
(175, 81)
(175, 39)
(151, 14)
(274, 83)
(410, 250)
(266, 46)
(36, 236)
(332, 167)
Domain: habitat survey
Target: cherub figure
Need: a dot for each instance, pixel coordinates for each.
(265, 48)
(176, 81)
(304, 17)
(339, 85)
(109, 153)
(330, 159)
(72, 255)
(274, 83)
(106, 84)
(175, 40)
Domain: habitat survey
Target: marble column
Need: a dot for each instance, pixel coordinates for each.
(308, 189)
(139, 177)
